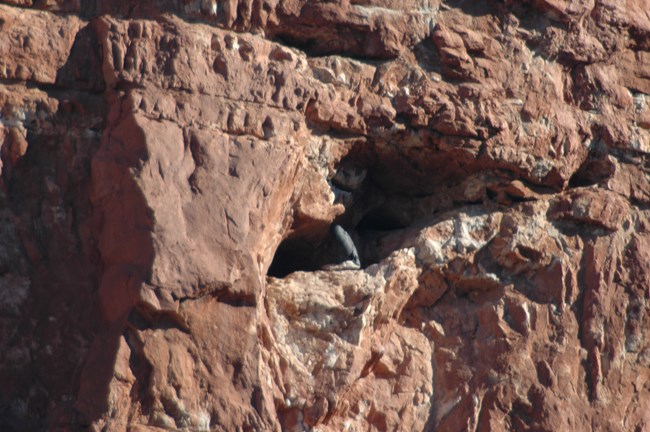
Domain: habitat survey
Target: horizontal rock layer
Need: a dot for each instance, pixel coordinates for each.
(170, 171)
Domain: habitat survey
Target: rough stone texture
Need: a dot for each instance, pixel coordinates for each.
(170, 171)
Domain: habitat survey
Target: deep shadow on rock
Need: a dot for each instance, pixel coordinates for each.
(171, 173)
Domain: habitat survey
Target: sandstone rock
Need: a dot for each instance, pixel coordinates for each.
(26, 56)
(170, 172)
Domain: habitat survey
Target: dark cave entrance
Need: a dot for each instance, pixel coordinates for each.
(293, 254)
(381, 219)
(310, 244)
(383, 192)
(313, 251)
(302, 253)
(376, 228)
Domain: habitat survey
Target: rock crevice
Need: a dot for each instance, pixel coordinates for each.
(170, 173)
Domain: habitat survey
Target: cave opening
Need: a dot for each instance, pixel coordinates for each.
(382, 196)
(592, 172)
(331, 246)
(381, 219)
(312, 244)
(302, 253)
(293, 254)
(378, 230)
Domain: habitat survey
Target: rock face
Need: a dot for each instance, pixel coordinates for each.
(171, 171)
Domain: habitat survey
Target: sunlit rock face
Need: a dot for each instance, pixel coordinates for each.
(171, 173)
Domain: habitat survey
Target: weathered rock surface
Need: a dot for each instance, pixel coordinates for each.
(170, 171)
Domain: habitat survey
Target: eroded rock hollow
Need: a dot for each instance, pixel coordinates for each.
(186, 187)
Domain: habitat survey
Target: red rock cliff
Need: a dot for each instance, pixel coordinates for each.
(171, 171)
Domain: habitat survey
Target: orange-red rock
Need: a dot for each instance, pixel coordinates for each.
(170, 171)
